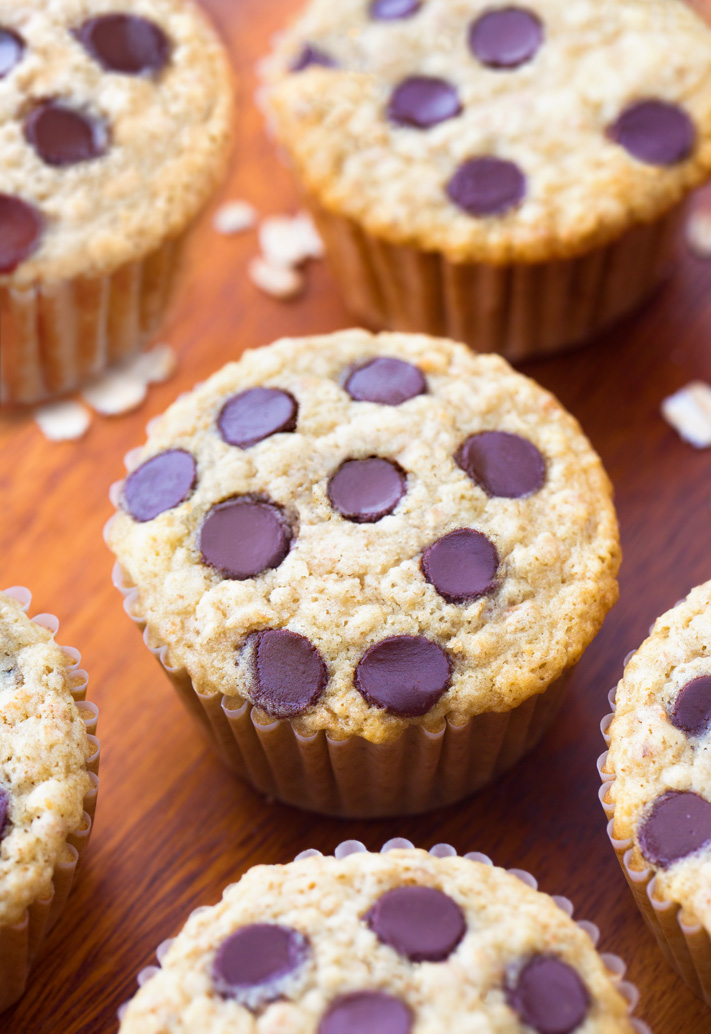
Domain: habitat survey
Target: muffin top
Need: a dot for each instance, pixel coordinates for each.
(360, 532)
(114, 126)
(495, 132)
(660, 754)
(43, 755)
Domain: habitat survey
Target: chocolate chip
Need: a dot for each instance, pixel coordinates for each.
(12, 47)
(505, 465)
(677, 825)
(421, 923)
(367, 1012)
(21, 228)
(506, 38)
(461, 565)
(126, 43)
(254, 415)
(258, 958)
(387, 381)
(405, 674)
(692, 710)
(245, 536)
(159, 484)
(423, 101)
(62, 136)
(392, 10)
(4, 812)
(311, 55)
(549, 996)
(289, 672)
(487, 186)
(365, 491)
(655, 132)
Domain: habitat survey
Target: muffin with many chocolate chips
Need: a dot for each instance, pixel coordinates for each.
(354, 550)
(115, 123)
(658, 783)
(511, 175)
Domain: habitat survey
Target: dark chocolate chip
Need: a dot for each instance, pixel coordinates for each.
(504, 465)
(421, 923)
(549, 996)
(461, 565)
(4, 811)
(365, 491)
(126, 43)
(655, 132)
(62, 136)
(506, 38)
(405, 674)
(245, 536)
(692, 710)
(677, 825)
(258, 958)
(487, 186)
(257, 414)
(159, 484)
(367, 1012)
(387, 381)
(12, 47)
(21, 228)
(393, 10)
(423, 101)
(289, 672)
(311, 55)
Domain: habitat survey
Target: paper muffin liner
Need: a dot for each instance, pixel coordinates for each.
(57, 336)
(613, 963)
(684, 942)
(21, 941)
(518, 310)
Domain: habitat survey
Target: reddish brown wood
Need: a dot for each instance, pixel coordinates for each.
(173, 827)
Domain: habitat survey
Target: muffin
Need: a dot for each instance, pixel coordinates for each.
(49, 758)
(657, 784)
(399, 941)
(367, 562)
(510, 176)
(115, 124)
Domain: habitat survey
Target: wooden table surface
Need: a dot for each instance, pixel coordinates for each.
(173, 827)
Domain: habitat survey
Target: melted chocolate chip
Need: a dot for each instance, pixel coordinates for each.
(487, 186)
(461, 565)
(677, 825)
(289, 672)
(387, 381)
(365, 491)
(405, 674)
(423, 101)
(505, 465)
(692, 710)
(367, 1012)
(655, 132)
(421, 923)
(258, 958)
(311, 55)
(126, 43)
(62, 136)
(549, 996)
(245, 536)
(392, 10)
(4, 811)
(257, 414)
(159, 484)
(12, 47)
(21, 228)
(506, 38)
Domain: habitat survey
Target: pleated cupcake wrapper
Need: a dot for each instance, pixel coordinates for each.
(21, 942)
(613, 963)
(518, 310)
(56, 337)
(685, 943)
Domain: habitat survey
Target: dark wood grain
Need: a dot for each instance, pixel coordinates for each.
(173, 827)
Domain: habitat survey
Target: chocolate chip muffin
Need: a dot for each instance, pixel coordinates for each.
(48, 765)
(511, 175)
(402, 942)
(115, 122)
(354, 550)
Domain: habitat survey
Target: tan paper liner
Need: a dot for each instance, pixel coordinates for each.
(57, 336)
(20, 943)
(613, 963)
(684, 942)
(519, 310)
